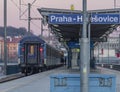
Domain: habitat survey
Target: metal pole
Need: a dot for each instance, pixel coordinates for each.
(5, 41)
(19, 9)
(89, 34)
(98, 53)
(49, 35)
(102, 50)
(41, 27)
(108, 51)
(119, 44)
(84, 54)
(85, 19)
(114, 3)
(29, 18)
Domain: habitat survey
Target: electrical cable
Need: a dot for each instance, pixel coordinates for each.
(24, 14)
(33, 2)
(34, 12)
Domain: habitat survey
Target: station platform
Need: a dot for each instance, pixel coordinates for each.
(41, 82)
(12, 68)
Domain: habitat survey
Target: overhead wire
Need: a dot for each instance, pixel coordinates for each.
(35, 6)
(17, 6)
(33, 2)
(24, 12)
(26, 8)
(35, 24)
(34, 12)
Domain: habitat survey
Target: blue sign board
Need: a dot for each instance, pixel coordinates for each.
(65, 19)
(77, 45)
(78, 19)
(105, 19)
(73, 44)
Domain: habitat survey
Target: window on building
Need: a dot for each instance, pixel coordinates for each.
(10, 48)
(14, 48)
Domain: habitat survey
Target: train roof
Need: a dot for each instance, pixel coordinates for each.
(31, 39)
(53, 47)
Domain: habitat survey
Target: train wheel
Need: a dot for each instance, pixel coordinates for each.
(36, 70)
(31, 70)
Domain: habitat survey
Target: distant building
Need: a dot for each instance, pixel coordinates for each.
(1, 50)
(106, 51)
(12, 49)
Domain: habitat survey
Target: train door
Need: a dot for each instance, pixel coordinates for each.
(32, 57)
(32, 53)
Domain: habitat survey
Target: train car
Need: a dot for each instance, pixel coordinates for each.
(52, 57)
(35, 55)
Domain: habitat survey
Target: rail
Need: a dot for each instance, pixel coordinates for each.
(11, 77)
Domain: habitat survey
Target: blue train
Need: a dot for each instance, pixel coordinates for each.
(35, 55)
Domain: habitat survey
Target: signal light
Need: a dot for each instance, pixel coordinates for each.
(118, 55)
(23, 49)
(41, 49)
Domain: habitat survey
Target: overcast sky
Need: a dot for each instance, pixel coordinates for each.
(13, 11)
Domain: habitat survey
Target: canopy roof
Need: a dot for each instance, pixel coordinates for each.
(72, 32)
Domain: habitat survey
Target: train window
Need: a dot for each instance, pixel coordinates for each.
(31, 50)
(32, 53)
(14, 48)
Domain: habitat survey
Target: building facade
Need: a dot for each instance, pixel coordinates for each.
(106, 51)
(12, 49)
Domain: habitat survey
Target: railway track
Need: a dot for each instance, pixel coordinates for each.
(14, 76)
(110, 66)
(11, 77)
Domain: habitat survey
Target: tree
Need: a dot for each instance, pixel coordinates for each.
(12, 31)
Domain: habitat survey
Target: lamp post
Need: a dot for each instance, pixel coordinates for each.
(5, 43)
(29, 17)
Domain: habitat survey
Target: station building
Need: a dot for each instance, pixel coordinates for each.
(106, 52)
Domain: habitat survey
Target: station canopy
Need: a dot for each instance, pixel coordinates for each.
(72, 32)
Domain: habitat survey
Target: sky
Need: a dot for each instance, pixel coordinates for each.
(13, 11)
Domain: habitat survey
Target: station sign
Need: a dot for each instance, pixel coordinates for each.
(78, 19)
(65, 19)
(105, 19)
(72, 44)
(104, 39)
